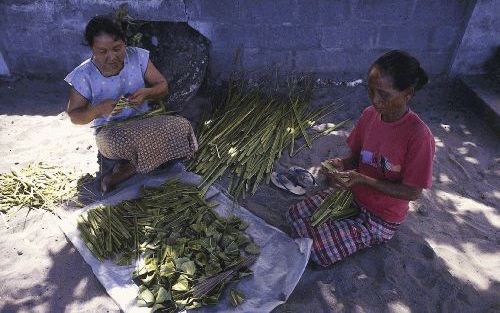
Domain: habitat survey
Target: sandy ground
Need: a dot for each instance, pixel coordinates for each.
(444, 258)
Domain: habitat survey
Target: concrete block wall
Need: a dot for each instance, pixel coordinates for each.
(339, 38)
(481, 38)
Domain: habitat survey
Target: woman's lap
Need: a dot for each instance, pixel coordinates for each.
(335, 240)
(149, 142)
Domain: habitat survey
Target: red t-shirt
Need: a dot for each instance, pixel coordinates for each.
(400, 151)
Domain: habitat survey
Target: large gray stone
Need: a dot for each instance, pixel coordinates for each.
(180, 53)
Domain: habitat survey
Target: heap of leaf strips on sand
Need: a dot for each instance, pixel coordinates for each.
(37, 186)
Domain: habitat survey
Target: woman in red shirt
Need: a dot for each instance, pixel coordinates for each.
(389, 165)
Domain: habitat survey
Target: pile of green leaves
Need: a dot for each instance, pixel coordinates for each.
(36, 186)
(247, 132)
(180, 239)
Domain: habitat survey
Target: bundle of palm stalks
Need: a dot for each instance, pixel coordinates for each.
(338, 205)
(120, 105)
(247, 133)
(158, 109)
(36, 186)
(188, 252)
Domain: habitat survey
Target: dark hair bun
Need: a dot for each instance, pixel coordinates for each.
(422, 79)
(103, 24)
(404, 70)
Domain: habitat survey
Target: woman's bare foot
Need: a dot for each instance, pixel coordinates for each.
(121, 171)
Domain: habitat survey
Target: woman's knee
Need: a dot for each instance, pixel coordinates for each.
(112, 141)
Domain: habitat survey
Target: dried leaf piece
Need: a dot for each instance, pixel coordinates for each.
(148, 279)
(147, 297)
(232, 249)
(242, 225)
(142, 303)
(182, 284)
(244, 273)
(201, 259)
(151, 265)
(241, 239)
(167, 269)
(211, 300)
(236, 297)
(226, 240)
(194, 305)
(188, 267)
(252, 248)
(179, 261)
(209, 243)
(157, 307)
(213, 266)
(169, 251)
(163, 295)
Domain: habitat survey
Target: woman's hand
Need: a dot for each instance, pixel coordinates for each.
(331, 178)
(106, 107)
(342, 178)
(338, 163)
(348, 179)
(139, 96)
(398, 190)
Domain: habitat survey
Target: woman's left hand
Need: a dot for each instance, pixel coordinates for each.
(139, 96)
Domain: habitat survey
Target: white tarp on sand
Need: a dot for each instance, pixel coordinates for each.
(276, 272)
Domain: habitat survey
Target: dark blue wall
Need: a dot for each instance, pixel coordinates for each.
(333, 37)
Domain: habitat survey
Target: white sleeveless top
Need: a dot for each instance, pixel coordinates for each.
(88, 81)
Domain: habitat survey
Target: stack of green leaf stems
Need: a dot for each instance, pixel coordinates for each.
(249, 132)
(180, 239)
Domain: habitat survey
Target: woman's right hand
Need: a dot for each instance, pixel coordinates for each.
(106, 107)
(332, 179)
(338, 163)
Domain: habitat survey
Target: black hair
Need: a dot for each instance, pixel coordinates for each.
(103, 24)
(403, 68)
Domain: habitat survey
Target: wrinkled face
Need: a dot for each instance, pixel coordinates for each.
(109, 53)
(387, 100)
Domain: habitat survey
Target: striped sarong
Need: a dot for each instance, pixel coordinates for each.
(335, 240)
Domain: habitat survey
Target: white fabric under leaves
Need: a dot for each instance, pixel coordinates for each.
(276, 272)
